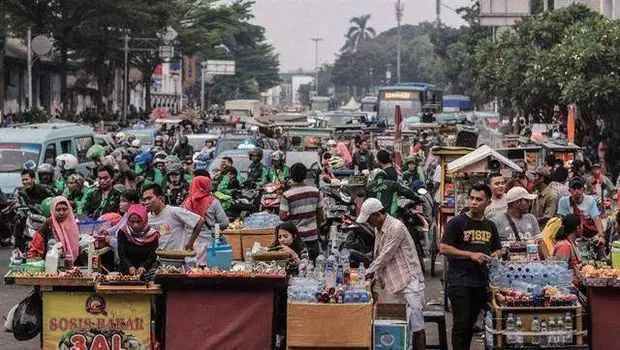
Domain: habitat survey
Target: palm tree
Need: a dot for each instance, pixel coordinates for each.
(358, 32)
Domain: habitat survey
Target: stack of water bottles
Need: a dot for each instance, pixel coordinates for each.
(331, 281)
(543, 273)
(261, 220)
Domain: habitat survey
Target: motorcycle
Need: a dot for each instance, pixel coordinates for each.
(244, 201)
(359, 241)
(271, 197)
(28, 219)
(409, 212)
(337, 203)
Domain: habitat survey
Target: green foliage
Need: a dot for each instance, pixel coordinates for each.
(33, 115)
(358, 33)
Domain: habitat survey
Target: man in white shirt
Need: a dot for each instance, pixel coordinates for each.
(498, 205)
(517, 224)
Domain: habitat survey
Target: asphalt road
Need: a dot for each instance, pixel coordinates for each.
(11, 295)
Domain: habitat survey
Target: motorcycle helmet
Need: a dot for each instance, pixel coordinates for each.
(131, 138)
(110, 161)
(143, 158)
(45, 169)
(159, 141)
(120, 138)
(161, 155)
(136, 143)
(256, 152)
(79, 179)
(376, 174)
(95, 152)
(277, 156)
(46, 207)
(67, 162)
(174, 169)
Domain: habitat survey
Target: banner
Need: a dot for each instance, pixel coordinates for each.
(571, 121)
(89, 321)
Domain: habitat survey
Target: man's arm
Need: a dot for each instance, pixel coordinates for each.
(195, 232)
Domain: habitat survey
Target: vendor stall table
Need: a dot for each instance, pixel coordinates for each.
(79, 312)
(243, 239)
(220, 312)
(315, 325)
(604, 310)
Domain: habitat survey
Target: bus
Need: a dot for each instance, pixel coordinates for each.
(413, 99)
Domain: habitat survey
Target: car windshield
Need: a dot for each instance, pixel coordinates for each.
(14, 155)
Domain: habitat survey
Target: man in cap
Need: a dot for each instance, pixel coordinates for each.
(583, 206)
(598, 184)
(516, 223)
(396, 266)
(546, 204)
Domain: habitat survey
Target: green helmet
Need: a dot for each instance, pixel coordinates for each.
(95, 152)
(46, 207)
(173, 159)
(376, 174)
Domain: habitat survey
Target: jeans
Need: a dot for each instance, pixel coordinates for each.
(467, 302)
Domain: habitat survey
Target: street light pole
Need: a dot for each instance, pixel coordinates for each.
(29, 43)
(203, 66)
(399, 16)
(316, 63)
(125, 77)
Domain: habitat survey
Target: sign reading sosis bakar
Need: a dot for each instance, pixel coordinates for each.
(89, 321)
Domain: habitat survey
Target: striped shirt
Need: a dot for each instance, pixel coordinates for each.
(301, 203)
(396, 259)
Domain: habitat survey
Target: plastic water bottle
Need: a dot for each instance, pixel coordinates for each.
(510, 329)
(488, 325)
(568, 327)
(330, 270)
(551, 338)
(543, 337)
(339, 274)
(559, 337)
(535, 329)
(518, 333)
(361, 273)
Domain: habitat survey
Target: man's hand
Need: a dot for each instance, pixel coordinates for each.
(140, 271)
(479, 258)
(132, 270)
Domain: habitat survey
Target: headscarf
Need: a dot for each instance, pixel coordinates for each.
(343, 150)
(199, 198)
(66, 232)
(144, 234)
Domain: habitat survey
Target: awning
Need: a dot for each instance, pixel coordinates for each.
(479, 154)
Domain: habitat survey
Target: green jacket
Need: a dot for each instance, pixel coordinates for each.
(387, 191)
(78, 198)
(275, 175)
(96, 205)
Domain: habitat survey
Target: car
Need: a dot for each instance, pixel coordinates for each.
(241, 161)
(29, 146)
(232, 142)
(145, 135)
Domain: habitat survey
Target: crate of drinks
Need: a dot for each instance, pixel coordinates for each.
(536, 327)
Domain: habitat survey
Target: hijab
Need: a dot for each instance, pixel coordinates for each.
(144, 234)
(67, 231)
(343, 151)
(199, 198)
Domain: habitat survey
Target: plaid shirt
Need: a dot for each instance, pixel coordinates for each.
(396, 259)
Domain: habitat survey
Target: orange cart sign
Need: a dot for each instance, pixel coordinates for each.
(89, 321)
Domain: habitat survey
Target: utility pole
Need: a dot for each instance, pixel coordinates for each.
(316, 64)
(29, 44)
(399, 16)
(125, 77)
(438, 12)
(203, 69)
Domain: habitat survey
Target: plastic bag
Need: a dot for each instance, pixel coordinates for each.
(8, 323)
(27, 317)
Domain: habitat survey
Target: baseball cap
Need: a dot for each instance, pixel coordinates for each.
(517, 193)
(576, 182)
(369, 207)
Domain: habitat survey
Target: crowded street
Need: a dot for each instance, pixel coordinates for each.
(233, 175)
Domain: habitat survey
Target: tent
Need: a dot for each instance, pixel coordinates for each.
(352, 105)
(471, 161)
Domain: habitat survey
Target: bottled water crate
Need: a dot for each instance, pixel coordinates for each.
(503, 331)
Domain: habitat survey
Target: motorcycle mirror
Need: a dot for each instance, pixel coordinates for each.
(422, 191)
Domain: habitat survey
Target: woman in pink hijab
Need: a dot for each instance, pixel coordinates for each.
(61, 227)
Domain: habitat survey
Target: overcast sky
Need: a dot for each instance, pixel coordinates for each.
(291, 23)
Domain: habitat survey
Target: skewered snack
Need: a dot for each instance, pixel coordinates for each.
(175, 253)
(270, 255)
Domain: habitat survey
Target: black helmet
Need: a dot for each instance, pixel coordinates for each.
(45, 169)
(256, 152)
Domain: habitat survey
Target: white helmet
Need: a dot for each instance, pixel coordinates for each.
(136, 143)
(66, 162)
(120, 138)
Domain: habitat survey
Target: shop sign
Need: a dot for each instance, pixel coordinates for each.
(88, 321)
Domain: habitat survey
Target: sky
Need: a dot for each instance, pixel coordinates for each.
(290, 24)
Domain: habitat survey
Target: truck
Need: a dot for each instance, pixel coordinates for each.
(243, 108)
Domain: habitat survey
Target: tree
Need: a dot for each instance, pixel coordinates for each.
(358, 33)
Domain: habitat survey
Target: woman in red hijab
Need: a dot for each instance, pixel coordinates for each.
(137, 242)
(60, 227)
(200, 201)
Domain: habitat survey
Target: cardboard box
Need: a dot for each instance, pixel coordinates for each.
(390, 335)
(329, 325)
(242, 239)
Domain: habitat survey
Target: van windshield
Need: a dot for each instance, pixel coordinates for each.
(14, 155)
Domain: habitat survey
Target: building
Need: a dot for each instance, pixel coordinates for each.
(608, 8)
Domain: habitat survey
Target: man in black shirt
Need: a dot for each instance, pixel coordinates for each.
(385, 162)
(469, 241)
(363, 157)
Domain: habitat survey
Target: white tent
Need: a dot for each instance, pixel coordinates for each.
(481, 153)
(352, 105)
